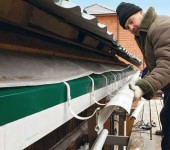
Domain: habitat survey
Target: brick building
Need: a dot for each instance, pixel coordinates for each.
(109, 17)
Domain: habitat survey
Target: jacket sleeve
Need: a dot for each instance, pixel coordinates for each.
(159, 37)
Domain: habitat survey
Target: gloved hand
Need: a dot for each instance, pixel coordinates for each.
(138, 93)
(142, 88)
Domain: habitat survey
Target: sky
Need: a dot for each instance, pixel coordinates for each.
(162, 7)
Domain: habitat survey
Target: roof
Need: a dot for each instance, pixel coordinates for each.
(52, 23)
(66, 10)
(98, 9)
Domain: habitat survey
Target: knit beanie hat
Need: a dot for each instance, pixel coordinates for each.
(125, 10)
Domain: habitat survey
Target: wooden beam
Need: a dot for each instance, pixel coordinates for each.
(10, 47)
(129, 125)
(71, 138)
(117, 140)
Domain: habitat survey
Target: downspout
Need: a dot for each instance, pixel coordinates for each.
(98, 145)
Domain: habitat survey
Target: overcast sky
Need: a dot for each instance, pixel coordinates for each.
(162, 7)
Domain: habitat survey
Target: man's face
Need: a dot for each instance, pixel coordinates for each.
(133, 22)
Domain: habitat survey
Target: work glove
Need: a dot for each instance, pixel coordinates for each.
(138, 93)
(142, 88)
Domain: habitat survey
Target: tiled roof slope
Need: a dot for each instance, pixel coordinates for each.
(97, 9)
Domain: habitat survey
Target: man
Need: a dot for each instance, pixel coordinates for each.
(152, 34)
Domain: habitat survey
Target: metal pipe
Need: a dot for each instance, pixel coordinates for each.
(138, 109)
(100, 140)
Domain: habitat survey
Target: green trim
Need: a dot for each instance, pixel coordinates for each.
(19, 102)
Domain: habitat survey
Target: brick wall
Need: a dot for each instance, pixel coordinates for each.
(125, 38)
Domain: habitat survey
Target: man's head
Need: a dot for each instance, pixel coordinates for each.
(130, 16)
